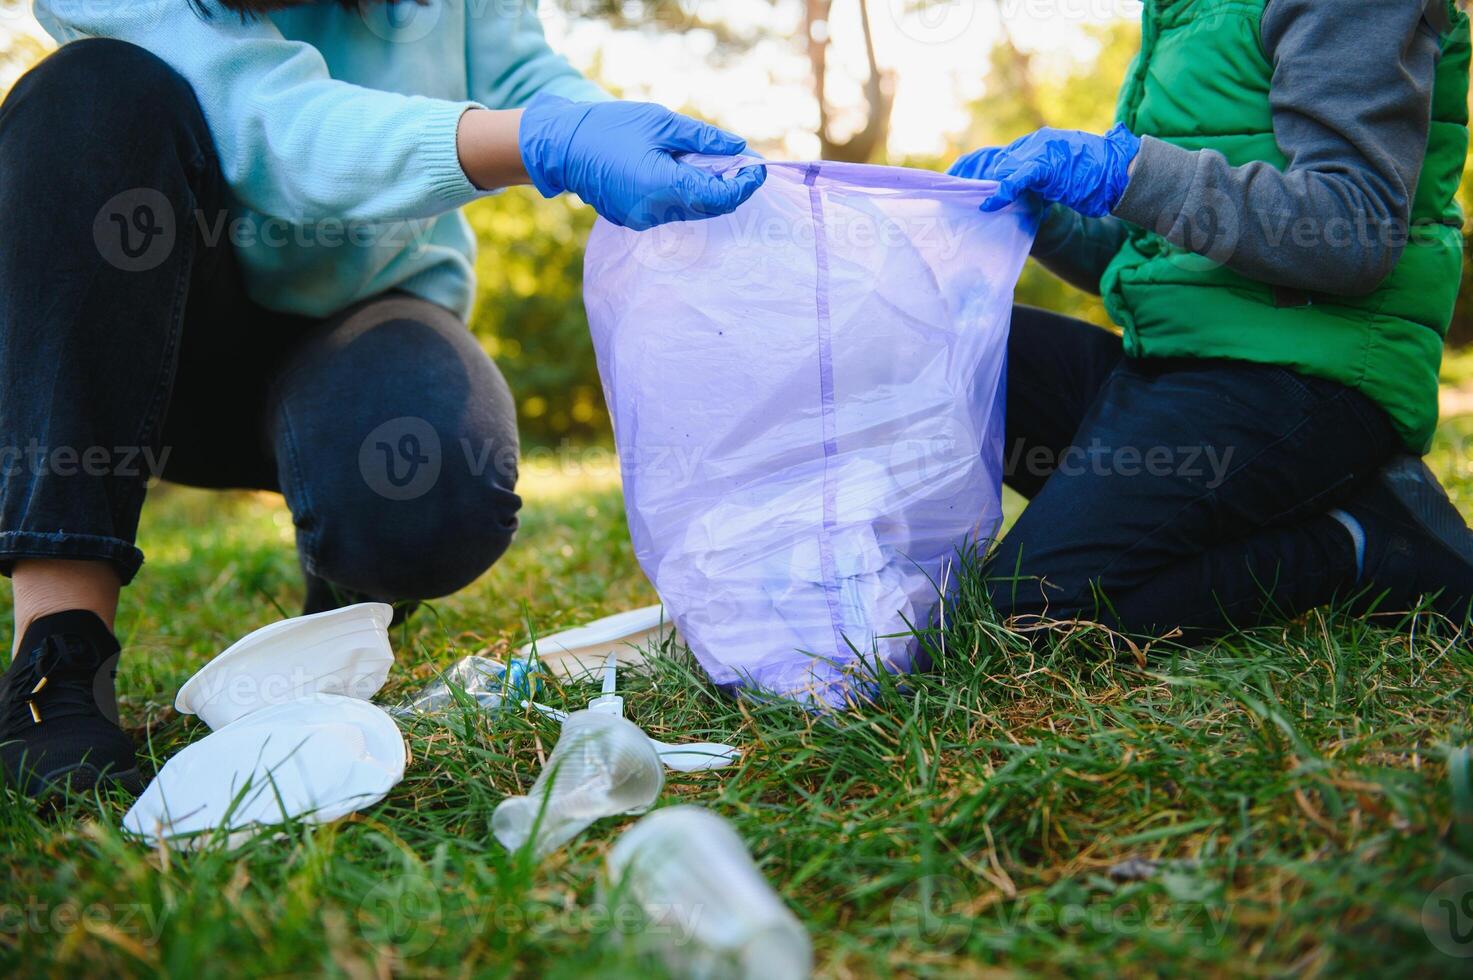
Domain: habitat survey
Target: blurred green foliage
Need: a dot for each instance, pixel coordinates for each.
(529, 312)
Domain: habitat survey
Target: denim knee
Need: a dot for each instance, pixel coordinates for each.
(103, 91)
(396, 448)
(433, 546)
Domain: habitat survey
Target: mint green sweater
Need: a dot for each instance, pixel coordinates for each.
(336, 130)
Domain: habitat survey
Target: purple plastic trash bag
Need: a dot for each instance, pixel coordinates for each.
(807, 398)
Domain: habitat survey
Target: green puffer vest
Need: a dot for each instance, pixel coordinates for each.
(1202, 81)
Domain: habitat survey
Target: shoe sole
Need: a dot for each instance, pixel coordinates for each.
(83, 778)
(1418, 490)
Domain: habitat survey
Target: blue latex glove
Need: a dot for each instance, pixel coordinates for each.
(618, 157)
(1080, 170)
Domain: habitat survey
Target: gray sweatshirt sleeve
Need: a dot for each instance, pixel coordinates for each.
(1077, 249)
(1351, 97)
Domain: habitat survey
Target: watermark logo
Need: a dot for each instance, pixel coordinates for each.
(1210, 234)
(1447, 917)
(402, 22)
(929, 913)
(933, 21)
(403, 912)
(932, 454)
(135, 230)
(673, 248)
(400, 460)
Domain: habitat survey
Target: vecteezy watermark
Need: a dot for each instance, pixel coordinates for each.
(135, 230)
(931, 912)
(404, 458)
(755, 246)
(408, 912)
(1208, 463)
(1211, 234)
(1447, 917)
(128, 462)
(933, 21)
(935, 913)
(405, 911)
(933, 454)
(138, 920)
(214, 693)
(1078, 11)
(401, 458)
(407, 22)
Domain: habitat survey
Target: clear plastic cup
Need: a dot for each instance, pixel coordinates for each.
(708, 911)
(602, 766)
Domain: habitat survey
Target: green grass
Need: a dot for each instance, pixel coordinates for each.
(1290, 787)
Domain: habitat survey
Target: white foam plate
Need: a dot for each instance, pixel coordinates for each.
(343, 651)
(579, 654)
(314, 759)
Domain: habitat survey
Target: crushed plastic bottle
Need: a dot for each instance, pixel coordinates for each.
(490, 683)
(602, 766)
(709, 912)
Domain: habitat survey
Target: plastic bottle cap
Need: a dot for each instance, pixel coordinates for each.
(607, 704)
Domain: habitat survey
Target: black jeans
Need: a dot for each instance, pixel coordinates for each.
(129, 349)
(1175, 494)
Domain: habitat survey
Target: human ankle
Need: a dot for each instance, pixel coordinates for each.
(46, 587)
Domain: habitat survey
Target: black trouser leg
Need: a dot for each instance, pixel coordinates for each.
(104, 159)
(1193, 494)
(396, 445)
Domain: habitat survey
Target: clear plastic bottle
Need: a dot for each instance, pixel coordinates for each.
(708, 911)
(602, 766)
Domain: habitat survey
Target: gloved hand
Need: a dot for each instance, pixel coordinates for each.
(1080, 170)
(617, 156)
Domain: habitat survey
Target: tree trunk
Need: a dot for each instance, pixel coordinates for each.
(879, 90)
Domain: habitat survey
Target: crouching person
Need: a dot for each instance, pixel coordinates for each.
(1279, 241)
(234, 252)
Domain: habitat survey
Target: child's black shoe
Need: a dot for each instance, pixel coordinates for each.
(1416, 542)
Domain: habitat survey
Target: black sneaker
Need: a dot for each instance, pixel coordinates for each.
(58, 710)
(1417, 543)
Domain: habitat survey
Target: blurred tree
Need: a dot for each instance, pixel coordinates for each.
(735, 36)
(869, 142)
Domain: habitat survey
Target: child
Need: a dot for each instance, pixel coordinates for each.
(1274, 227)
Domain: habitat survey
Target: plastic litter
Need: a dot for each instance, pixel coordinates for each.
(316, 758)
(343, 651)
(807, 397)
(578, 654)
(709, 912)
(490, 683)
(293, 734)
(679, 757)
(602, 766)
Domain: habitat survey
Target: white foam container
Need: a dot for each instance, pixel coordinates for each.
(343, 651)
(314, 759)
(579, 654)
